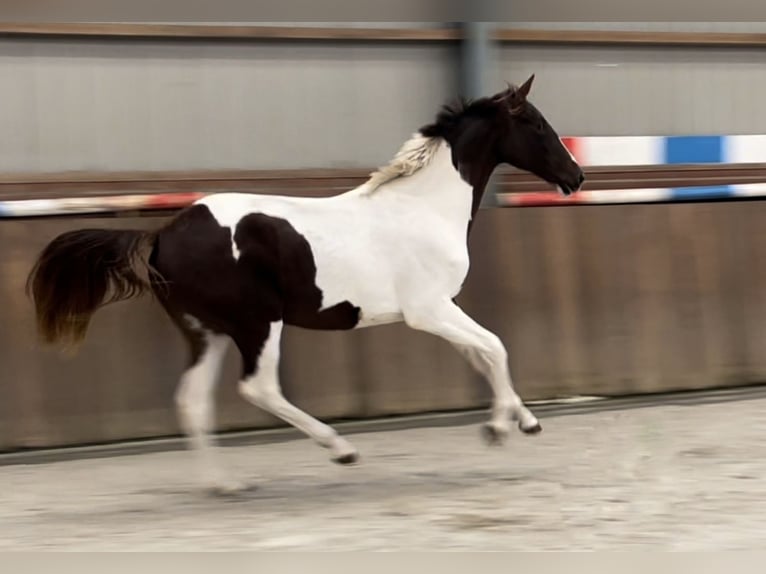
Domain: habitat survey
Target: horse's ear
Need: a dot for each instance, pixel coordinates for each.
(505, 95)
(526, 86)
(514, 98)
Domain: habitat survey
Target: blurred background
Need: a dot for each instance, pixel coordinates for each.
(653, 279)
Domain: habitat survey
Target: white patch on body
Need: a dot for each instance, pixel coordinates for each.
(380, 251)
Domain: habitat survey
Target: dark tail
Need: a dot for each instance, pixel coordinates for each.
(80, 271)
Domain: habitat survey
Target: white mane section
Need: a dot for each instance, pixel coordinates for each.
(414, 155)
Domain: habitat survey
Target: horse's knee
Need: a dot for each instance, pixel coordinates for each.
(247, 392)
(489, 351)
(495, 349)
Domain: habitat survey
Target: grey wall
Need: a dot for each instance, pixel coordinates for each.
(70, 104)
(90, 105)
(643, 26)
(642, 91)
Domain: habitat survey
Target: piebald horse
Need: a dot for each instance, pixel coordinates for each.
(238, 267)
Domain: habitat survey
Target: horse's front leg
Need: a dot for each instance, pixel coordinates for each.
(487, 354)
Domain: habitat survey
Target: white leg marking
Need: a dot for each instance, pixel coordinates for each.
(487, 355)
(196, 408)
(262, 389)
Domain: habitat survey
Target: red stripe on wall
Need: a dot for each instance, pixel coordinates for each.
(172, 200)
(574, 146)
(540, 199)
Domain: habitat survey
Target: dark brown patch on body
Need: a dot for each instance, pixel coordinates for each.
(274, 279)
(271, 245)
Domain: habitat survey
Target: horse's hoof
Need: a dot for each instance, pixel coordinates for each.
(346, 459)
(493, 435)
(534, 429)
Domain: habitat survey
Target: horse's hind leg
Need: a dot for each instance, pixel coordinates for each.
(196, 405)
(260, 386)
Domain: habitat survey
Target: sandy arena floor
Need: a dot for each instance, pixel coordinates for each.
(667, 477)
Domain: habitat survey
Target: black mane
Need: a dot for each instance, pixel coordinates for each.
(451, 114)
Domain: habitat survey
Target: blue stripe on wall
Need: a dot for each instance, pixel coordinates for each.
(706, 192)
(696, 149)
(693, 149)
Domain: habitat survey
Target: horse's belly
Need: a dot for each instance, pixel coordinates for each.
(366, 285)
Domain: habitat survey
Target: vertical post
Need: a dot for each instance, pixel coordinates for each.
(475, 64)
(475, 73)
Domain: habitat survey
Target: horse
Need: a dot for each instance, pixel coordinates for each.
(240, 266)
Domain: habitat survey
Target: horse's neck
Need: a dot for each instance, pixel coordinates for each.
(438, 188)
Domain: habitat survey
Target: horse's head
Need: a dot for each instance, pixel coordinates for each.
(531, 144)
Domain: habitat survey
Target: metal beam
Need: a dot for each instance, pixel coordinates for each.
(476, 60)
